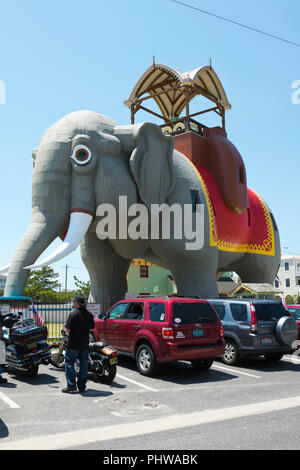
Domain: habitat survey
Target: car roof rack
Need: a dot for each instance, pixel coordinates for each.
(187, 296)
(149, 297)
(140, 296)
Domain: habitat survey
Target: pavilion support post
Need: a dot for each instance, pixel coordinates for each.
(132, 113)
(223, 118)
(187, 106)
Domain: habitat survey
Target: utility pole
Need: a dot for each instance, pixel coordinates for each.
(66, 278)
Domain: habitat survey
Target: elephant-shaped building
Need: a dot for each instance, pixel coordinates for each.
(85, 161)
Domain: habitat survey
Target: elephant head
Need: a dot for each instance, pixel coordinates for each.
(64, 181)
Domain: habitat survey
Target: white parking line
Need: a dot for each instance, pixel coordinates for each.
(137, 383)
(291, 358)
(236, 371)
(8, 401)
(74, 439)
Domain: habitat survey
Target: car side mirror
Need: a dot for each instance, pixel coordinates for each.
(102, 316)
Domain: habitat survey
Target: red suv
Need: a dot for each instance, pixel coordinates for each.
(154, 330)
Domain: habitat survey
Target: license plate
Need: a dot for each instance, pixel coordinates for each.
(31, 346)
(114, 360)
(266, 341)
(198, 333)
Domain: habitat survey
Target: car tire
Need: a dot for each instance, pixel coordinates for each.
(202, 364)
(146, 360)
(273, 357)
(232, 354)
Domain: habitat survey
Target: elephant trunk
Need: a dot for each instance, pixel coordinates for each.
(43, 229)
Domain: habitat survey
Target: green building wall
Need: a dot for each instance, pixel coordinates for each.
(158, 281)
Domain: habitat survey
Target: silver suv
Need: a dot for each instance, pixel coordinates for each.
(255, 328)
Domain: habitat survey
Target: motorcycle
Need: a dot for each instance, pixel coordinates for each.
(102, 359)
(25, 345)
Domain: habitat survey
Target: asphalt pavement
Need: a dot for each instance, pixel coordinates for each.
(253, 406)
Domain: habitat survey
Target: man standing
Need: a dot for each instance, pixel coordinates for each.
(78, 327)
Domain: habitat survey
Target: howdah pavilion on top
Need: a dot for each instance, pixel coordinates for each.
(173, 92)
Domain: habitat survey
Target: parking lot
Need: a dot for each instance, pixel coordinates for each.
(134, 412)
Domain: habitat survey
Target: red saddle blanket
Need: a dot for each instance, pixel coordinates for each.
(250, 232)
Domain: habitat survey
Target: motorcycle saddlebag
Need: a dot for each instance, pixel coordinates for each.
(27, 332)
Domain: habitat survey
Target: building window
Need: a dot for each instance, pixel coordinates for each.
(144, 271)
(287, 283)
(276, 284)
(286, 266)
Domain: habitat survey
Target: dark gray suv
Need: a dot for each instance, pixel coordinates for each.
(255, 328)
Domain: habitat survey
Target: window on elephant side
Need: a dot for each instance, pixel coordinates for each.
(274, 222)
(195, 199)
(241, 178)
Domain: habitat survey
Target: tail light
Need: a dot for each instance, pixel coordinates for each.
(167, 333)
(253, 319)
(114, 354)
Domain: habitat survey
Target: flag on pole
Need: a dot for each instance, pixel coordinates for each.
(38, 320)
(278, 280)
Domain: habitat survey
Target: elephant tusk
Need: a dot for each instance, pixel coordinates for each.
(78, 227)
(5, 269)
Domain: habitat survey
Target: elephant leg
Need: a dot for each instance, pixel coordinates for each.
(255, 268)
(195, 280)
(107, 271)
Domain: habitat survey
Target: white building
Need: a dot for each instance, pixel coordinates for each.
(2, 282)
(289, 277)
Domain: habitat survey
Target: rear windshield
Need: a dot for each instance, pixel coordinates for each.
(185, 313)
(270, 312)
(295, 312)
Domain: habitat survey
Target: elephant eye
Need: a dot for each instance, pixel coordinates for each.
(81, 154)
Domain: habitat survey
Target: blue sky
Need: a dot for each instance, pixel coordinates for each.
(61, 56)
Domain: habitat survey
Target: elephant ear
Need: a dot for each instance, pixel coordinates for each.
(151, 160)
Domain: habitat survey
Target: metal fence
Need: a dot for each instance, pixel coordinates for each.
(54, 315)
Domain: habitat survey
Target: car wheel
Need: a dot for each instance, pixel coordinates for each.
(145, 360)
(273, 357)
(203, 364)
(231, 355)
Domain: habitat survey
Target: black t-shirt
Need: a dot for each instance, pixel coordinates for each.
(80, 322)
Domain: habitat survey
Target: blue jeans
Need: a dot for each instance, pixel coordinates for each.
(70, 358)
